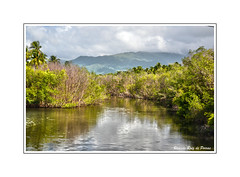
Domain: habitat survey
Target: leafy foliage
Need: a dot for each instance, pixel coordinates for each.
(41, 84)
(197, 85)
(35, 57)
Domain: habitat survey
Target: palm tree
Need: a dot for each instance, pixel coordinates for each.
(35, 45)
(38, 57)
(54, 59)
(67, 63)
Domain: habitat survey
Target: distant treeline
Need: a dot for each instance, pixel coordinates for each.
(187, 88)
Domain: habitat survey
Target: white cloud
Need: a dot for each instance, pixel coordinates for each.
(133, 41)
(63, 28)
(155, 43)
(69, 42)
(36, 33)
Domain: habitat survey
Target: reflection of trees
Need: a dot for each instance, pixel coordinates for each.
(195, 133)
(148, 110)
(51, 125)
(145, 109)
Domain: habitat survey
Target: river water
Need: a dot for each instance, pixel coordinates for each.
(116, 125)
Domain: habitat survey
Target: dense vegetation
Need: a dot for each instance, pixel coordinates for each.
(189, 89)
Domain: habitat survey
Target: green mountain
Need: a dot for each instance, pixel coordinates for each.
(123, 61)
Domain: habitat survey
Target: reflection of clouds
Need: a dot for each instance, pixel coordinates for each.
(114, 131)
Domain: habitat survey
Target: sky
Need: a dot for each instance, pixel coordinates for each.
(70, 41)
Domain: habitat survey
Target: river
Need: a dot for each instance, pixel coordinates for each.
(118, 124)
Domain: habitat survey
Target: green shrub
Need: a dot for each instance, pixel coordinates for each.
(94, 93)
(41, 86)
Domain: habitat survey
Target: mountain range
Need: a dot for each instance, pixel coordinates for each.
(123, 61)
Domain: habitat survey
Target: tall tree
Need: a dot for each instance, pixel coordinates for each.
(35, 45)
(67, 63)
(38, 57)
(54, 59)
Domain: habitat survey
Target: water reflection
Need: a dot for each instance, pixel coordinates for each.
(47, 128)
(117, 125)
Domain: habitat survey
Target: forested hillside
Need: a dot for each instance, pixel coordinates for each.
(123, 61)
